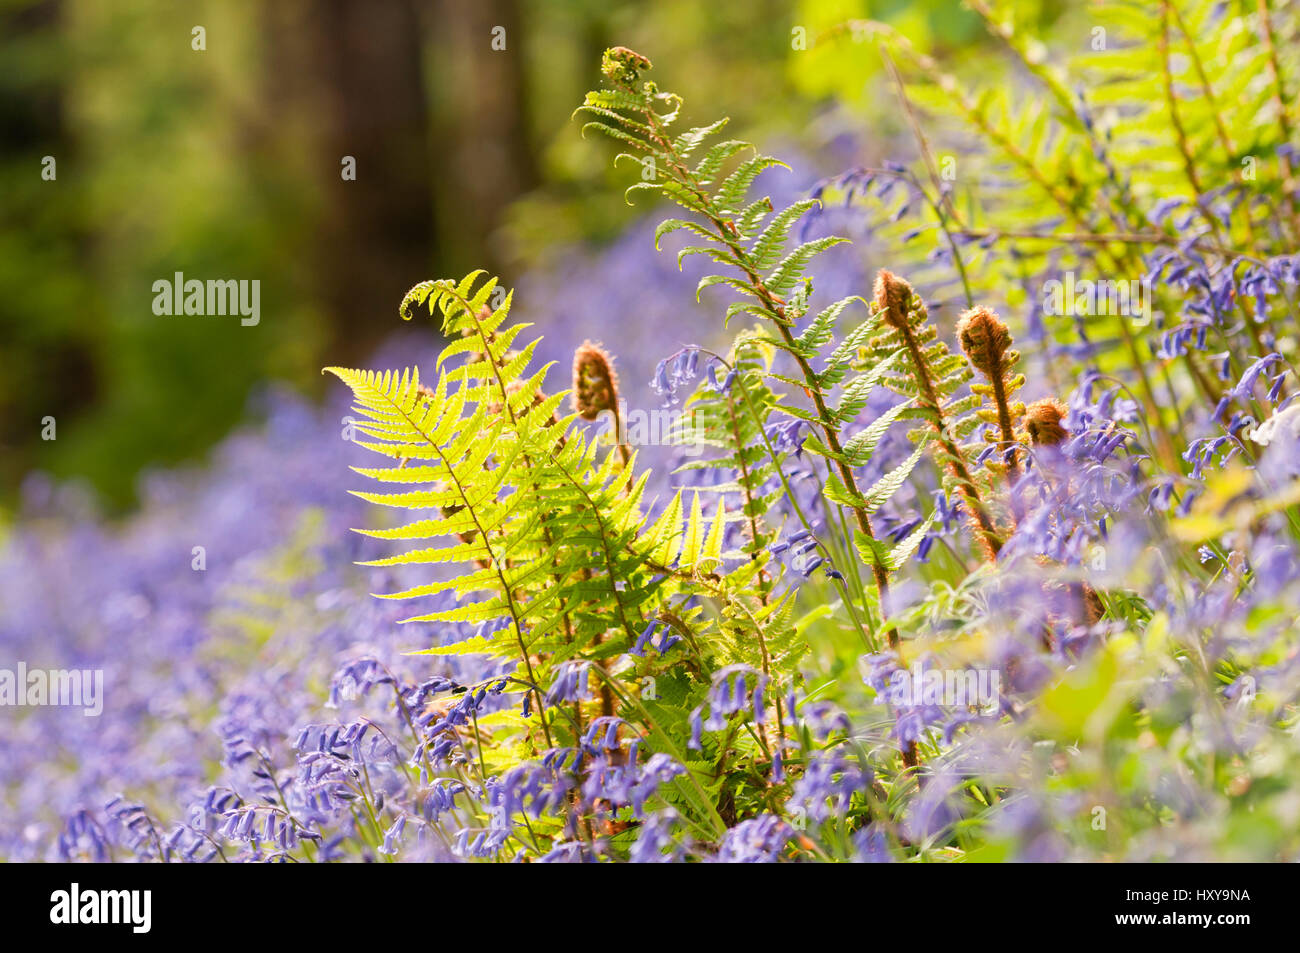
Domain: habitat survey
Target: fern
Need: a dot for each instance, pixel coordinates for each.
(730, 415)
(545, 543)
(933, 376)
(749, 237)
(542, 537)
(987, 344)
(1168, 146)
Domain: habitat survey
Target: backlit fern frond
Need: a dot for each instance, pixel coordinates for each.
(514, 496)
(750, 238)
(539, 535)
(729, 414)
(752, 241)
(1164, 153)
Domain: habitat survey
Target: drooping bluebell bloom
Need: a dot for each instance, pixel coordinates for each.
(871, 846)
(660, 839)
(676, 371)
(730, 694)
(787, 436)
(570, 683)
(759, 840)
(828, 784)
(644, 638)
(628, 783)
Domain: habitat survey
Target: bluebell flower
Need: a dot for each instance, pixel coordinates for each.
(564, 852)
(570, 683)
(759, 840)
(786, 436)
(658, 841)
(644, 638)
(828, 783)
(729, 694)
(871, 846)
(677, 370)
(629, 783)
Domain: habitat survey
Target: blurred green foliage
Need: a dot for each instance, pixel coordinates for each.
(220, 164)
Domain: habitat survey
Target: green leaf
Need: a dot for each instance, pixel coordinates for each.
(890, 483)
(863, 444)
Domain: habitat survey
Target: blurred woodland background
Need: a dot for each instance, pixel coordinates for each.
(225, 163)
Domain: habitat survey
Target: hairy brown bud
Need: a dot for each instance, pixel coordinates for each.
(595, 385)
(1043, 422)
(893, 296)
(985, 339)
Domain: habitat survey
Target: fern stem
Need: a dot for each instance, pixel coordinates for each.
(944, 208)
(1207, 90)
(987, 343)
(1005, 428)
(922, 143)
(545, 525)
(764, 583)
(607, 555)
(879, 573)
(954, 460)
(793, 500)
(729, 235)
(511, 604)
(1097, 238)
(1280, 104)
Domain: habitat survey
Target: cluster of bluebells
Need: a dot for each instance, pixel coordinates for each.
(759, 840)
(667, 638)
(301, 766)
(259, 722)
(329, 741)
(735, 690)
(679, 371)
(803, 554)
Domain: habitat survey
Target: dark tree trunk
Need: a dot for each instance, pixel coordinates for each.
(357, 66)
(433, 178)
(47, 326)
(484, 158)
